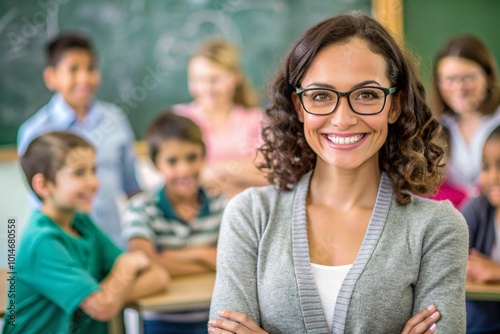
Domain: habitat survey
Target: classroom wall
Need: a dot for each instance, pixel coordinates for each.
(14, 204)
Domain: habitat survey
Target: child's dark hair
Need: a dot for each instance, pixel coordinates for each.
(47, 154)
(494, 134)
(63, 43)
(169, 126)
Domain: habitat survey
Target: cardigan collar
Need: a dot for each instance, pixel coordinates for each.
(310, 302)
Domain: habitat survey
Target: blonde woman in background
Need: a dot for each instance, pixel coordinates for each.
(225, 107)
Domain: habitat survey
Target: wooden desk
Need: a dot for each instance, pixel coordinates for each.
(485, 292)
(184, 293)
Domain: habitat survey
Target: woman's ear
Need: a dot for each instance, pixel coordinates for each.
(40, 185)
(395, 110)
(298, 107)
(49, 78)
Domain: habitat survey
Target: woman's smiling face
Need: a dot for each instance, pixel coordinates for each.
(345, 139)
(489, 178)
(462, 83)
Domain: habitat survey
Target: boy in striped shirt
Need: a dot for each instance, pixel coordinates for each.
(178, 225)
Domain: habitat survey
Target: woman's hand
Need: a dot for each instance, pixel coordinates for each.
(424, 322)
(236, 323)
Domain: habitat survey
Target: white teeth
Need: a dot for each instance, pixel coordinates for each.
(345, 140)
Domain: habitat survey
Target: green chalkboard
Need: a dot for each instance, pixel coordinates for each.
(143, 46)
(429, 23)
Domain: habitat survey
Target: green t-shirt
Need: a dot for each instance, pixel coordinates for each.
(55, 272)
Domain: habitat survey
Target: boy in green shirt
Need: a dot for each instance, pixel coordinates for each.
(70, 277)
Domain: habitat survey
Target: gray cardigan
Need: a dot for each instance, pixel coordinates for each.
(411, 256)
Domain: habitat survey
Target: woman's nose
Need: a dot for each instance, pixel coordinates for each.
(343, 116)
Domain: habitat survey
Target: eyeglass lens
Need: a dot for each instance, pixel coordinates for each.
(365, 100)
(465, 79)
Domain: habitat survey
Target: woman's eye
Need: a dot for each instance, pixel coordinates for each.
(367, 95)
(172, 161)
(320, 96)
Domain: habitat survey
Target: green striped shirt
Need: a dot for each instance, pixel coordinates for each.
(150, 215)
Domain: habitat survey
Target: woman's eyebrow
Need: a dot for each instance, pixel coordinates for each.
(328, 86)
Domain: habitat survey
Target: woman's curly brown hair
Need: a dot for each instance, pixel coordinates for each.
(413, 150)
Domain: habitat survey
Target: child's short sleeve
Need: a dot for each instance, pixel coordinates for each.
(55, 275)
(138, 217)
(109, 251)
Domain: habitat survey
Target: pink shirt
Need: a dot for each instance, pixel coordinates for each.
(451, 192)
(238, 141)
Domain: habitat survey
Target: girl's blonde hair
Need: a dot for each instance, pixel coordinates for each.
(226, 54)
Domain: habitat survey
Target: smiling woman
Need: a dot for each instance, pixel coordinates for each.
(349, 142)
(343, 138)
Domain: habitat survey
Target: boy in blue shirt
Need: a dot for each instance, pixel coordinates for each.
(70, 277)
(177, 226)
(72, 73)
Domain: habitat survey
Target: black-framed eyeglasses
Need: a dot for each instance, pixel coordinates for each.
(367, 100)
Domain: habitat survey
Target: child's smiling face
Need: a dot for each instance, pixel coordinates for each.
(489, 179)
(212, 85)
(76, 77)
(76, 183)
(181, 163)
(462, 83)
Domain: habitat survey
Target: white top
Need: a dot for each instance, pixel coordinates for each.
(464, 165)
(328, 281)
